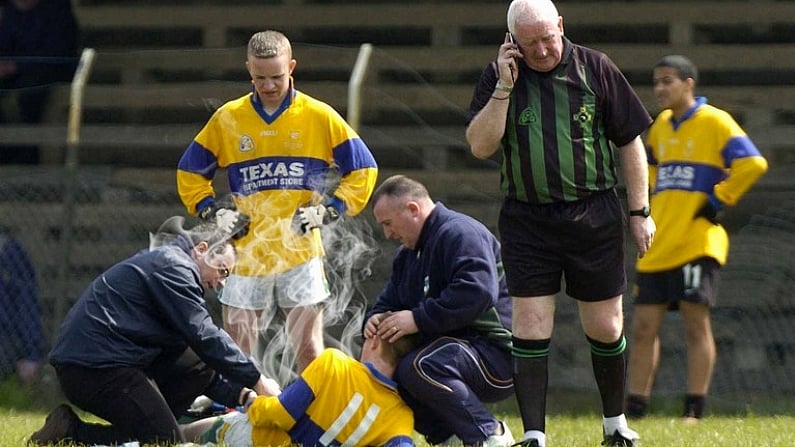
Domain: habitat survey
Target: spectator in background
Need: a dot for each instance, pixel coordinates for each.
(282, 151)
(700, 161)
(447, 286)
(38, 47)
(21, 339)
(562, 115)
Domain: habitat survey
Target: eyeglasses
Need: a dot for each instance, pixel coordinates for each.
(215, 259)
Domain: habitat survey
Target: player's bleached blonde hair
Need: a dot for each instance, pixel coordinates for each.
(269, 43)
(531, 11)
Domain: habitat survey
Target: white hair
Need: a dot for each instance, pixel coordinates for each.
(531, 11)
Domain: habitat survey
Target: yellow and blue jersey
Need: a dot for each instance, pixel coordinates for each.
(336, 401)
(705, 153)
(274, 164)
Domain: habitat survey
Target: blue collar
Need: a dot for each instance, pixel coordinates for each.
(270, 118)
(380, 377)
(700, 101)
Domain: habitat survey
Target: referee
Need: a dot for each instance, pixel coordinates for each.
(555, 109)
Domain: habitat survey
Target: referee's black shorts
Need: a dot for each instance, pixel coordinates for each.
(581, 241)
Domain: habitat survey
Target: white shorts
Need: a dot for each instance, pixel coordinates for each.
(233, 429)
(303, 285)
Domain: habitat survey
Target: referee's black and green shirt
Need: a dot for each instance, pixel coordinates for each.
(556, 146)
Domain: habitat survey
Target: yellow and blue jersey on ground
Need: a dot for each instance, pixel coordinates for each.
(336, 401)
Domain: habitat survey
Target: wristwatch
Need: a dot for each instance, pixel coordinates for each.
(642, 212)
(502, 87)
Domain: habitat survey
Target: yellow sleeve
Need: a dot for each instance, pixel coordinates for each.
(743, 173)
(196, 170)
(268, 411)
(193, 188)
(272, 411)
(355, 189)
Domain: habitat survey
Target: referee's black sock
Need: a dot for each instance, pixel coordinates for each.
(530, 379)
(610, 367)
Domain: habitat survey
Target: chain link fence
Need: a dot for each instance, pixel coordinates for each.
(70, 239)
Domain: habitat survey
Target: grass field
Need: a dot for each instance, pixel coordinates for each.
(565, 430)
(570, 422)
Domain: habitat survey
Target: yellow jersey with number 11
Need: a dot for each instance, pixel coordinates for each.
(705, 153)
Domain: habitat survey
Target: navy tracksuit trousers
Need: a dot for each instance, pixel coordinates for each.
(447, 383)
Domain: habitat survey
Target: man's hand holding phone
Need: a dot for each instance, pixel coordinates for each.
(506, 65)
(506, 60)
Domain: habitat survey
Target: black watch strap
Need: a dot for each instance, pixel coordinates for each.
(642, 212)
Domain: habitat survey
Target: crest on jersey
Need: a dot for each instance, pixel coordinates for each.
(527, 117)
(585, 116)
(246, 144)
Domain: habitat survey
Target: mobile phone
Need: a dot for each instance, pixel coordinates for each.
(513, 42)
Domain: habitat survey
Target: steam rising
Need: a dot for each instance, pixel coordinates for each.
(350, 251)
(168, 232)
(174, 226)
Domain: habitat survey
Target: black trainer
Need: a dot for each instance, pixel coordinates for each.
(57, 427)
(622, 438)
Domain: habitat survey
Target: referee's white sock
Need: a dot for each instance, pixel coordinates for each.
(612, 424)
(539, 436)
(618, 423)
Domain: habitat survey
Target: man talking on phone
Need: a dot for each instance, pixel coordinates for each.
(555, 110)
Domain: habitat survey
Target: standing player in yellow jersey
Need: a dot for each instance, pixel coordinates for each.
(700, 160)
(282, 149)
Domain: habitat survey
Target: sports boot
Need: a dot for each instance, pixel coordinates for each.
(622, 437)
(57, 426)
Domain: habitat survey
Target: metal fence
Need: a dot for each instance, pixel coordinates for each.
(108, 218)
